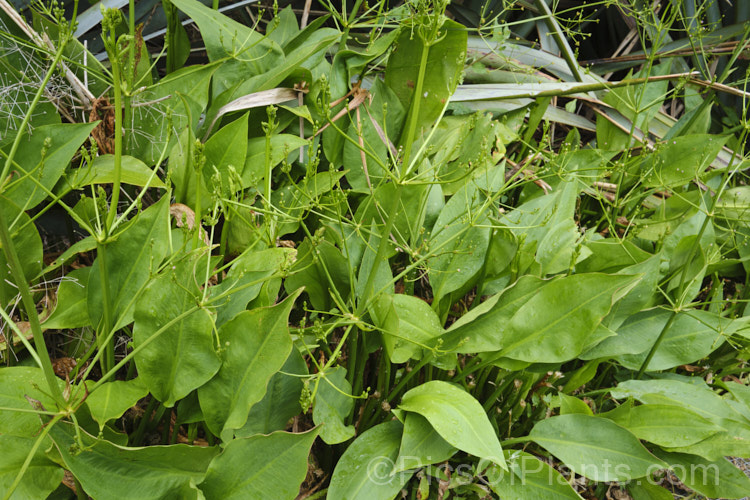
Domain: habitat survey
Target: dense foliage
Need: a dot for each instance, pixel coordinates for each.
(397, 251)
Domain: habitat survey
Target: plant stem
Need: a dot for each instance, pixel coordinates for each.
(28, 302)
(117, 87)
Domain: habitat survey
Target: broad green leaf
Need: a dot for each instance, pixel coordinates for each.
(421, 445)
(41, 477)
(254, 170)
(734, 442)
(309, 272)
(383, 277)
(571, 404)
(680, 160)
(741, 393)
(408, 325)
(180, 355)
(529, 479)
(460, 239)
(260, 467)
(444, 61)
(645, 490)
(130, 260)
(734, 204)
(365, 470)
(42, 158)
(102, 171)
(695, 395)
(16, 383)
(611, 255)
(225, 153)
(387, 112)
(333, 404)
(638, 297)
(665, 425)
(692, 336)
(457, 417)
(152, 126)
(249, 53)
(245, 279)
(295, 199)
(594, 447)
(555, 324)
(71, 310)
(28, 245)
(112, 399)
(483, 328)
(153, 472)
(532, 221)
(256, 344)
(717, 479)
(281, 402)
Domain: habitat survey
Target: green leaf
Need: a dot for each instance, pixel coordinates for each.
(717, 479)
(260, 467)
(444, 61)
(28, 245)
(645, 490)
(256, 344)
(555, 324)
(680, 160)
(71, 310)
(102, 171)
(225, 151)
(16, 383)
(254, 170)
(334, 403)
(41, 477)
(571, 404)
(281, 402)
(531, 222)
(130, 261)
(594, 447)
(529, 479)
(483, 328)
(182, 356)
(152, 472)
(364, 471)
(308, 272)
(148, 138)
(249, 52)
(421, 445)
(408, 325)
(665, 425)
(461, 240)
(245, 279)
(112, 399)
(45, 164)
(386, 111)
(696, 396)
(692, 336)
(457, 417)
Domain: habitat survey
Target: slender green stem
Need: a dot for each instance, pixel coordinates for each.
(108, 359)
(28, 302)
(117, 86)
(415, 105)
(382, 247)
(656, 345)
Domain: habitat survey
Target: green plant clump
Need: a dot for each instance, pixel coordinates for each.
(403, 250)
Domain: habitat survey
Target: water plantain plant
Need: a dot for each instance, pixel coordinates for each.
(383, 254)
